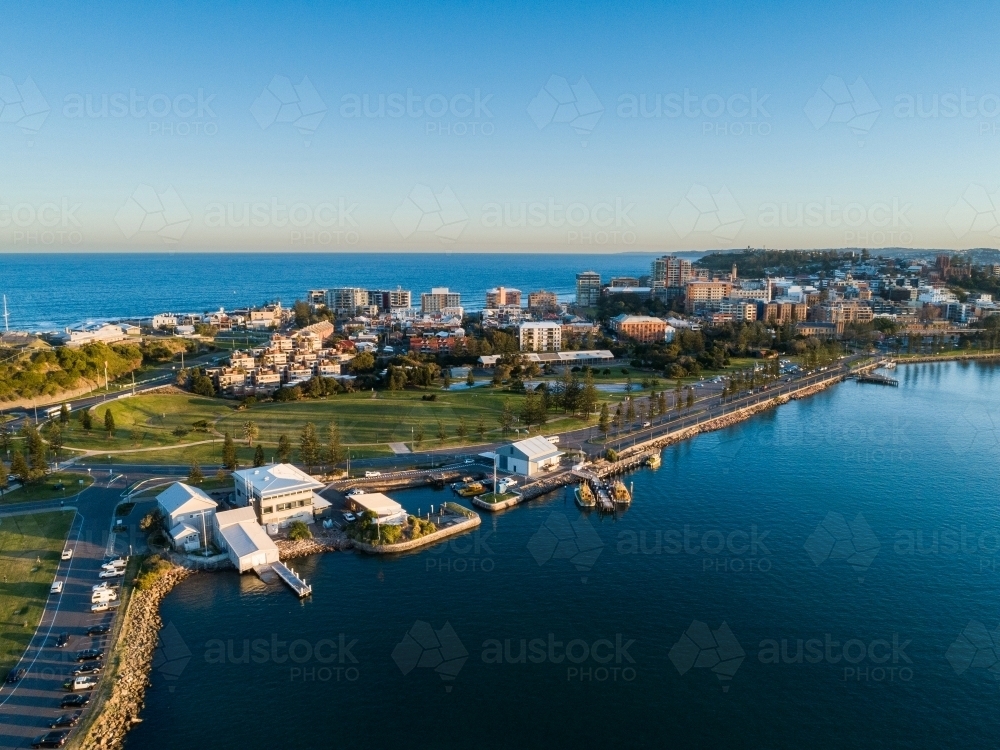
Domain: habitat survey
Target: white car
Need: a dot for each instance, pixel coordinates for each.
(103, 606)
(350, 517)
(57, 587)
(106, 595)
(67, 553)
(113, 573)
(370, 474)
(113, 566)
(102, 586)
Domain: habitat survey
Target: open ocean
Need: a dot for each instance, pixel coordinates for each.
(51, 291)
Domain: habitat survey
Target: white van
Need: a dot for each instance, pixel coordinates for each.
(82, 683)
(554, 439)
(103, 595)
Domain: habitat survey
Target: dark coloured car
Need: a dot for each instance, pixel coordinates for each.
(50, 739)
(90, 654)
(91, 668)
(98, 629)
(15, 675)
(63, 640)
(78, 700)
(66, 720)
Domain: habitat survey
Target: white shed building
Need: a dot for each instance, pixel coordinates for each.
(238, 533)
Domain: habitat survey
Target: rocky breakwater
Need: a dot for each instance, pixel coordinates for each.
(130, 665)
(289, 549)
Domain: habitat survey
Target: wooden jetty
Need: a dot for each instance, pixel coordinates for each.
(280, 571)
(876, 379)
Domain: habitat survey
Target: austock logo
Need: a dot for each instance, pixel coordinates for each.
(559, 101)
(297, 104)
(700, 647)
(976, 211)
(423, 647)
(838, 539)
(702, 211)
(835, 101)
(423, 211)
(163, 214)
(171, 655)
(22, 105)
(976, 648)
(559, 538)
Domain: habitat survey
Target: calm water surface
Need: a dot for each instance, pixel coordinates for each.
(862, 522)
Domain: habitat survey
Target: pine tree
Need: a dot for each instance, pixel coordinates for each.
(194, 475)
(250, 432)
(442, 435)
(229, 452)
(109, 423)
(334, 449)
(258, 456)
(461, 430)
(19, 467)
(64, 415)
(604, 420)
(86, 419)
(284, 449)
(470, 380)
(506, 417)
(309, 447)
(481, 428)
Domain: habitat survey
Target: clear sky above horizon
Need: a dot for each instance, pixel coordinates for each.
(477, 126)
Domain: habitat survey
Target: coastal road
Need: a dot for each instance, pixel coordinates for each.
(25, 708)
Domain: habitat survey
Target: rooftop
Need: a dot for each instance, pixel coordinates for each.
(277, 478)
(183, 498)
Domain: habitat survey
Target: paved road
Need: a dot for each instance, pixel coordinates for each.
(26, 707)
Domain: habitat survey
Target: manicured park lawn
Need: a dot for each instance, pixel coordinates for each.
(149, 421)
(48, 488)
(30, 546)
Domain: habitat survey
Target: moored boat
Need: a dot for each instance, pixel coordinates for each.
(584, 496)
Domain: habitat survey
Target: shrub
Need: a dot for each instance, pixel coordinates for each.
(298, 530)
(611, 455)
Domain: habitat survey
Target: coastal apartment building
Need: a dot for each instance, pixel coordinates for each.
(268, 316)
(641, 328)
(390, 299)
(542, 302)
(699, 292)
(543, 336)
(503, 297)
(439, 298)
(844, 312)
(779, 312)
(346, 300)
(670, 271)
(588, 289)
(279, 493)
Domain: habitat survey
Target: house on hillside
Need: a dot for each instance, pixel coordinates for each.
(528, 457)
(187, 513)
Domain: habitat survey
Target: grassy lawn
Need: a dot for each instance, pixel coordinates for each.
(29, 554)
(149, 421)
(493, 498)
(367, 421)
(46, 488)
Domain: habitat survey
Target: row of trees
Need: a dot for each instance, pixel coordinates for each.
(312, 451)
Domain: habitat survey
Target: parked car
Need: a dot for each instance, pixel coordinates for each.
(56, 587)
(103, 606)
(98, 629)
(114, 565)
(90, 654)
(66, 720)
(88, 668)
(79, 700)
(350, 517)
(103, 595)
(112, 573)
(370, 474)
(63, 640)
(14, 676)
(103, 585)
(50, 739)
(67, 553)
(84, 682)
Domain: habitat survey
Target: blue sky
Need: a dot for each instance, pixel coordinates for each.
(558, 156)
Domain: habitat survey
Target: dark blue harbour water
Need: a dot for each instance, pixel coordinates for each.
(47, 291)
(862, 522)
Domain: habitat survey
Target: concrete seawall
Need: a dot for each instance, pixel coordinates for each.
(387, 549)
